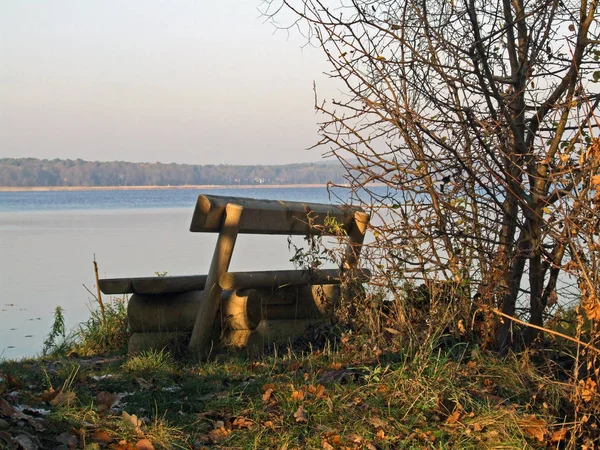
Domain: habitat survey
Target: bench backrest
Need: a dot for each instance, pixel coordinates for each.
(275, 217)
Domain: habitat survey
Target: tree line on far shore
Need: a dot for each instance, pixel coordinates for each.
(25, 172)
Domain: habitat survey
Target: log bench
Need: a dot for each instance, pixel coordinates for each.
(240, 309)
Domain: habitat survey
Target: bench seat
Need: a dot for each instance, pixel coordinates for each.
(152, 285)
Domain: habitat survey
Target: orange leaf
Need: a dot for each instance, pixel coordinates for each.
(320, 391)
(453, 418)
(559, 435)
(534, 427)
(587, 389)
(300, 415)
(102, 436)
(268, 386)
(219, 434)
(592, 307)
(49, 394)
(267, 395)
(298, 395)
(241, 422)
(334, 366)
(144, 444)
(326, 445)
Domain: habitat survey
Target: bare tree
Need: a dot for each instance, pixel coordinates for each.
(479, 118)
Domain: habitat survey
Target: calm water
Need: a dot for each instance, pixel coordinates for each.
(48, 241)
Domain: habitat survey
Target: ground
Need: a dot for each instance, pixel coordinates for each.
(344, 396)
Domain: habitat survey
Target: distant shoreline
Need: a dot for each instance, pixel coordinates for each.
(138, 188)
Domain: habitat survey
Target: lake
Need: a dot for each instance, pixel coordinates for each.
(48, 241)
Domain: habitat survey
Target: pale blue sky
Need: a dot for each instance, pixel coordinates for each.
(187, 81)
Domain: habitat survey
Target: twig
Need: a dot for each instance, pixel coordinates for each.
(545, 330)
(99, 297)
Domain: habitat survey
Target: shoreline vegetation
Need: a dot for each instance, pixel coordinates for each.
(157, 187)
(59, 173)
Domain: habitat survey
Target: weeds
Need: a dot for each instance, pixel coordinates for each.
(97, 336)
(152, 362)
(57, 342)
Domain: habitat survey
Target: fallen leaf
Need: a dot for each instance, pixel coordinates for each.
(267, 395)
(453, 417)
(124, 445)
(49, 394)
(144, 444)
(333, 439)
(68, 439)
(5, 409)
(534, 427)
(6, 437)
(218, 434)
(26, 442)
(101, 436)
(380, 434)
(326, 445)
(320, 393)
(268, 386)
(355, 438)
(298, 395)
(377, 422)
(334, 366)
(63, 398)
(300, 415)
(241, 422)
(559, 435)
(106, 400)
(132, 420)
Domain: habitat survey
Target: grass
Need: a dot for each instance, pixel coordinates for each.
(340, 398)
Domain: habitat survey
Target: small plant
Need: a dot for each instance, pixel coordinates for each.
(57, 342)
(155, 362)
(108, 334)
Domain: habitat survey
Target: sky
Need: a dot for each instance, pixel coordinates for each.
(185, 81)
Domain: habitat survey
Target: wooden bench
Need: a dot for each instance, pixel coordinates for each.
(250, 305)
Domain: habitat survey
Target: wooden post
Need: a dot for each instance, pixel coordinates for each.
(356, 236)
(207, 311)
(98, 291)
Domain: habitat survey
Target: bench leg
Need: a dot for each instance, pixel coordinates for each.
(207, 311)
